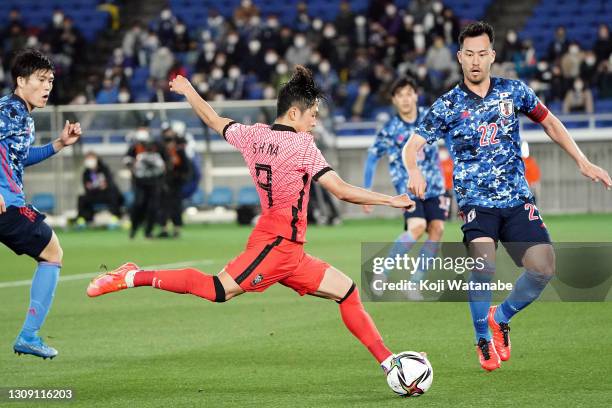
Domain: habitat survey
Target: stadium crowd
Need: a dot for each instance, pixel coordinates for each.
(355, 57)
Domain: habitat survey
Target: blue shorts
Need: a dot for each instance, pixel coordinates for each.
(521, 227)
(435, 208)
(23, 230)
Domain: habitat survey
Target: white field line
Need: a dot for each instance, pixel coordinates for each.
(89, 275)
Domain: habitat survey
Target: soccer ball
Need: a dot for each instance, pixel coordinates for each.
(410, 374)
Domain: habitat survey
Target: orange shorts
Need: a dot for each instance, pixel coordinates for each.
(268, 259)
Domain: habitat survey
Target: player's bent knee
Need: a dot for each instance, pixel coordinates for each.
(435, 230)
(417, 229)
(225, 287)
(53, 252)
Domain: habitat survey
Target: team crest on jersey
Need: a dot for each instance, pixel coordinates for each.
(506, 107)
(471, 215)
(257, 279)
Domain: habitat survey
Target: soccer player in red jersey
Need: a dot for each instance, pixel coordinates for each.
(283, 160)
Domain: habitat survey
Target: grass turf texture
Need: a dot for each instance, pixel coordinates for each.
(148, 348)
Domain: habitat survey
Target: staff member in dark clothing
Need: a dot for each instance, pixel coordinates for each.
(100, 188)
(178, 171)
(145, 158)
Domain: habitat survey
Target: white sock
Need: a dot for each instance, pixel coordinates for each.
(386, 364)
(129, 278)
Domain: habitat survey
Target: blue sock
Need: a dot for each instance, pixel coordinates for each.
(480, 301)
(41, 296)
(526, 289)
(402, 245)
(428, 250)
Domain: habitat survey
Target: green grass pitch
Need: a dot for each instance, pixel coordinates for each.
(148, 348)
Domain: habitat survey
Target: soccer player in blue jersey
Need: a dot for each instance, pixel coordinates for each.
(22, 228)
(431, 211)
(479, 120)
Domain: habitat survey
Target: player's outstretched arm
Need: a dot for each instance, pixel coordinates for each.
(557, 132)
(344, 191)
(416, 181)
(2, 205)
(182, 86)
(69, 136)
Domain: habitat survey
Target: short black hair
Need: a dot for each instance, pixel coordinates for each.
(402, 82)
(300, 91)
(27, 62)
(476, 29)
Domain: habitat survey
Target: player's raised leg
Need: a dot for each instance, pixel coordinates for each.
(480, 301)
(217, 288)
(42, 293)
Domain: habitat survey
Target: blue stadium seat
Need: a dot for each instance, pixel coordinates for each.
(197, 199)
(44, 202)
(221, 196)
(248, 196)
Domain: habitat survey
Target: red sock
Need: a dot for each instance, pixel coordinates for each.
(359, 322)
(179, 281)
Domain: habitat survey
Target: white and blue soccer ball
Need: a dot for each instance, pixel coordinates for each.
(410, 374)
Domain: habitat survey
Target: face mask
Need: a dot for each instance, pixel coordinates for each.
(511, 37)
(254, 21)
(206, 35)
(216, 74)
(179, 29)
(246, 3)
(220, 61)
(360, 21)
(90, 163)
(542, 66)
(123, 97)
(590, 60)
(232, 39)
(324, 67)
(271, 58)
(203, 87)
(209, 46)
(437, 7)
(281, 69)
(574, 50)
(578, 86)
(166, 14)
(269, 93)
(408, 20)
(58, 19)
(421, 72)
(299, 42)
(317, 24)
(234, 72)
(315, 58)
(272, 23)
(141, 135)
(390, 10)
(254, 46)
(32, 41)
(329, 32)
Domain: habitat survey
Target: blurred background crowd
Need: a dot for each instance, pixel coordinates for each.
(107, 53)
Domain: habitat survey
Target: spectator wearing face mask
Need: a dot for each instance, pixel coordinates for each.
(604, 78)
(578, 98)
(165, 27)
(588, 69)
(99, 189)
(244, 12)
(570, 63)
(511, 47)
(299, 52)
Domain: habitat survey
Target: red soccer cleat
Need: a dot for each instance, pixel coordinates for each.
(488, 357)
(110, 281)
(501, 335)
